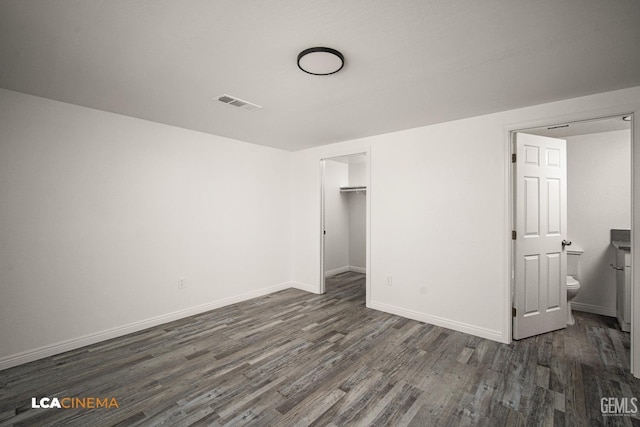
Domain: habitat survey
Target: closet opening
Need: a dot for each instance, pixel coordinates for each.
(343, 252)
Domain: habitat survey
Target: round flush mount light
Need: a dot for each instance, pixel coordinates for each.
(320, 61)
(627, 118)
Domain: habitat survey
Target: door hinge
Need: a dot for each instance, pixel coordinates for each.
(513, 311)
(513, 235)
(513, 158)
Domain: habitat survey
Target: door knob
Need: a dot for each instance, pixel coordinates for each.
(566, 243)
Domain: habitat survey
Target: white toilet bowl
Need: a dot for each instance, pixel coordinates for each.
(573, 287)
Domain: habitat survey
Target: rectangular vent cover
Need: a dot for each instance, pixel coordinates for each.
(237, 102)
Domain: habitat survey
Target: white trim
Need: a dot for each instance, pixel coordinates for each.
(366, 151)
(635, 248)
(508, 291)
(323, 165)
(438, 321)
(344, 269)
(305, 287)
(595, 309)
(335, 271)
(75, 343)
(583, 115)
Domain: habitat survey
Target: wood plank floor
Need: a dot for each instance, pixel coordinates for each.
(294, 358)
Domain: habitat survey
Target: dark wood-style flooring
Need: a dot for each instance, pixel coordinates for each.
(294, 358)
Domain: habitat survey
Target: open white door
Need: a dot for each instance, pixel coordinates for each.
(540, 299)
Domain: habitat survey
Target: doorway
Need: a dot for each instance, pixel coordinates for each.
(343, 251)
(598, 205)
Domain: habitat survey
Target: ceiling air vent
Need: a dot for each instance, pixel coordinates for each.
(237, 102)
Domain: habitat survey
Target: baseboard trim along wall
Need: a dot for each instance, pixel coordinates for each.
(438, 321)
(335, 271)
(75, 343)
(595, 309)
(344, 269)
(72, 344)
(305, 287)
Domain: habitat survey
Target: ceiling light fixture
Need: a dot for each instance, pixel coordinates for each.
(320, 61)
(627, 118)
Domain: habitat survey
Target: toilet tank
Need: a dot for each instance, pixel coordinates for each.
(573, 260)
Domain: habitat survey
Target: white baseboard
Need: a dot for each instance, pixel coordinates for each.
(74, 343)
(305, 287)
(344, 269)
(595, 309)
(625, 326)
(439, 321)
(335, 271)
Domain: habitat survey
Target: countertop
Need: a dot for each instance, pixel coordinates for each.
(618, 244)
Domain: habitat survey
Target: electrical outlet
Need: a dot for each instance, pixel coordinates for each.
(181, 284)
(389, 281)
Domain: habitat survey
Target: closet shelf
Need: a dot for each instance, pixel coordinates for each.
(353, 189)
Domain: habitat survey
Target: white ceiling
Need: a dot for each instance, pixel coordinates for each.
(408, 62)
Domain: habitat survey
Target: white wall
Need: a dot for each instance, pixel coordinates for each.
(357, 214)
(101, 214)
(439, 213)
(358, 171)
(345, 217)
(599, 199)
(336, 242)
(357, 230)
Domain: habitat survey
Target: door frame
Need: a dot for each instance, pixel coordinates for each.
(508, 133)
(367, 154)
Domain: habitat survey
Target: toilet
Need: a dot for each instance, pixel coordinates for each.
(573, 285)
